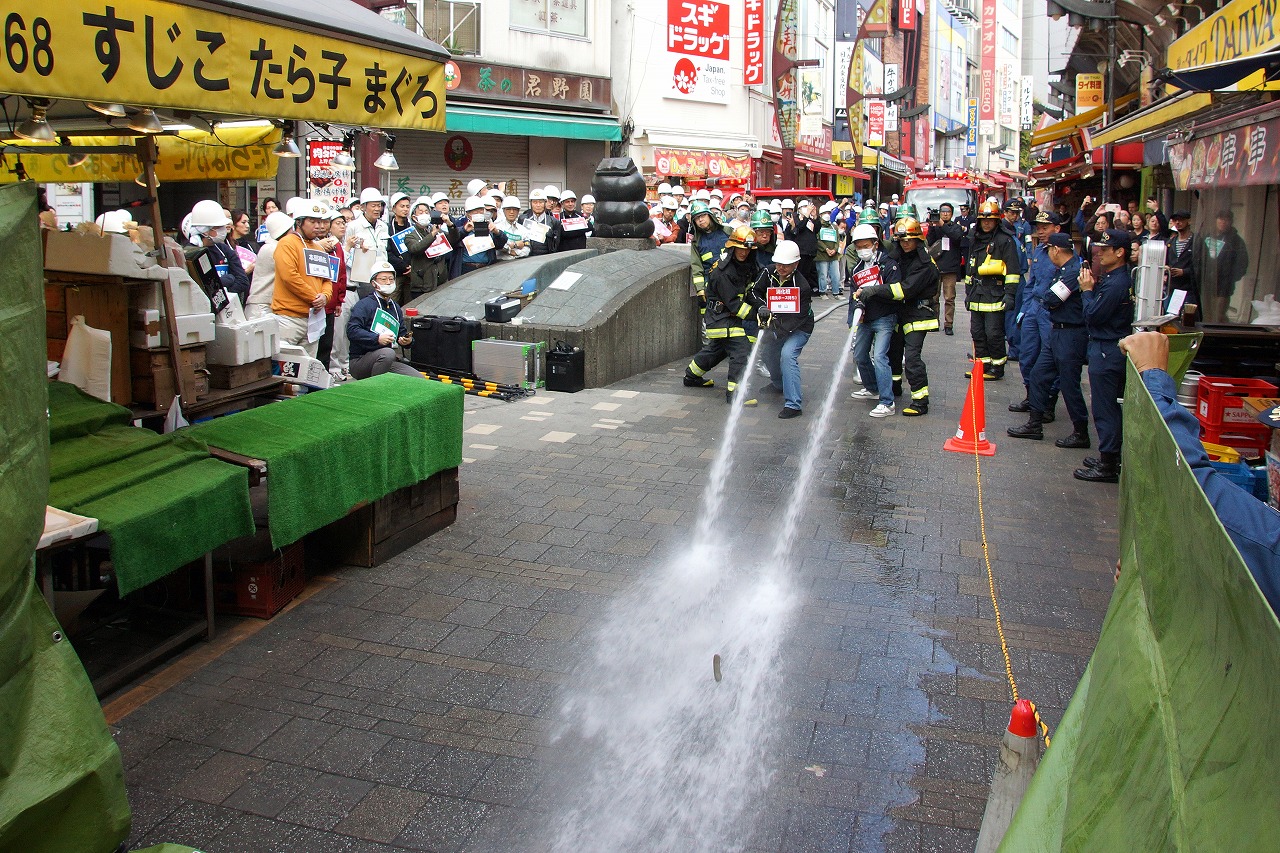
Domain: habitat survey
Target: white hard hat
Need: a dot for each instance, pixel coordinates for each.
(551, 192)
(422, 199)
(775, 206)
(588, 199)
(786, 252)
(511, 201)
(664, 189)
(670, 203)
(335, 214)
(788, 204)
(437, 198)
(396, 198)
(865, 232)
(894, 197)
(381, 266)
(111, 222)
(475, 186)
(537, 195)
(278, 224)
(569, 194)
(702, 195)
(677, 189)
(310, 209)
(828, 207)
(489, 200)
(718, 192)
(371, 194)
(208, 213)
(715, 206)
(473, 203)
(291, 204)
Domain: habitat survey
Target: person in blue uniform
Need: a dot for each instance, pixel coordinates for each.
(1031, 318)
(1020, 230)
(1253, 526)
(1108, 316)
(1063, 357)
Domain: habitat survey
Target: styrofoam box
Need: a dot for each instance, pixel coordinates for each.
(146, 329)
(188, 298)
(293, 363)
(243, 343)
(108, 254)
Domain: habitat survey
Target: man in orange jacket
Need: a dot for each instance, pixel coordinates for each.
(304, 276)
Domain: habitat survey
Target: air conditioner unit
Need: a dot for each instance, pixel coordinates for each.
(846, 155)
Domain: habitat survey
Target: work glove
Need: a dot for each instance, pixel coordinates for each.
(1008, 303)
(763, 315)
(702, 301)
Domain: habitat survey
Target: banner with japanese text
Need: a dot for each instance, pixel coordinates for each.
(327, 181)
(163, 54)
(698, 49)
(1246, 156)
(987, 68)
(785, 104)
(753, 44)
(679, 162)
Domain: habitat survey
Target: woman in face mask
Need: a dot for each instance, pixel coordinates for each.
(206, 229)
(427, 247)
(376, 325)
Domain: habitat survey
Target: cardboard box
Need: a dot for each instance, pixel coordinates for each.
(153, 383)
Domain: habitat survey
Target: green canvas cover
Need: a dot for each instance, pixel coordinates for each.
(61, 780)
(1169, 741)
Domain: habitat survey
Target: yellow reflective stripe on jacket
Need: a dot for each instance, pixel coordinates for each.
(895, 290)
(699, 281)
(744, 311)
(985, 307)
(731, 332)
(1013, 279)
(706, 256)
(920, 326)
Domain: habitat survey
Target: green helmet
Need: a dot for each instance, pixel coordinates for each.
(868, 216)
(761, 219)
(699, 207)
(906, 211)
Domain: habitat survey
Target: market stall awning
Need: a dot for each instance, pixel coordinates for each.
(318, 60)
(1125, 156)
(1220, 76)
(1063, 129)
(1153, 118)
(473, 119)
(831, 169)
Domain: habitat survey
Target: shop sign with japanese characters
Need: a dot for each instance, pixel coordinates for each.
(698, 50)
(529, 86)
(328, 182)
(753, 44)
(168, 55)
(1246, 156)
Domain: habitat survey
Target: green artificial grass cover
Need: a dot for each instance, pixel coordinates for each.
(330, 450)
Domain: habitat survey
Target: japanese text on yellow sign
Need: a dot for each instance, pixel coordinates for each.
(165, 55)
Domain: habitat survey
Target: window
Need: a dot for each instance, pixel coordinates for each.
(557, 17)
(1012, 6)
(1008, 41)
(454, 24)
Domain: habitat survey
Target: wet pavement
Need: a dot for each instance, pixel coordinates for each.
(421, 705)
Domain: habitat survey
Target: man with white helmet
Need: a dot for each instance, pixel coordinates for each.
(476, 186)
(399, 223)
(427, 248)
(803, 231)
(543, 228)
(207, 229)
(367, 237)
(665, 227)
(741, 214)
(552, 194)
(478, 243)
(573, 225)
(827, 261)
(304, 276)
(332, 348)
(263, 282)
(588, 207)
(786, 322)
(377, 323)
(517, 241)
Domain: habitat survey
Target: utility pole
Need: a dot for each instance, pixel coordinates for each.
(1110, 82)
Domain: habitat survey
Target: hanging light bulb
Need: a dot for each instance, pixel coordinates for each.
(344, 157)
(141, 180)
(73, 159)
(37, 127)
(387, 160)
(146, 121)
(286, 147)
(111, 110)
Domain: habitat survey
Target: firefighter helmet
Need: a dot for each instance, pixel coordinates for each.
(743, 238)
(869, 217)
(761, 219)
(699, 207)
(989, 210)
(905, 211)
(908, 228)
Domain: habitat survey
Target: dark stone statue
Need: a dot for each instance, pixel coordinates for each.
(620, 207)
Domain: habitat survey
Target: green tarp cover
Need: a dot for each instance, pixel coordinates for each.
(330, 450)
(1169, 742)
(162, 499)
(61, 780)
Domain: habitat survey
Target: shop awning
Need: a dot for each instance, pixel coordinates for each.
(476, 119)
(1126, 156)
(1064, 128)
(1153, 118)
(831, 169)
(1219, 76)
(311, 60)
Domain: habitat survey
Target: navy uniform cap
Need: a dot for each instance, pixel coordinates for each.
(1062, 241)
(1115, 239)
(1046, 217)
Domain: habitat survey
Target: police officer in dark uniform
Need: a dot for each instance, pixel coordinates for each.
(992, 276)
(727, 308)
(1032, 320)
(1020, 230)
(1060, 362)
(1108, 315)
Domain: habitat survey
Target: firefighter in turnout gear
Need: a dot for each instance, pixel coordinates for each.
(706, 244)
(992, 275)
(727, 308)
(918, 312)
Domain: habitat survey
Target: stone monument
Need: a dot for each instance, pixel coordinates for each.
(621, 215)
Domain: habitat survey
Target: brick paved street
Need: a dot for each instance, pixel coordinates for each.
(415, 706)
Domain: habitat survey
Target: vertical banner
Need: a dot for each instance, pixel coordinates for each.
(971, 137)
(1026, 103)
(328, 182)
(753, 44)
(785, 104)
(1009, 87)
(892, 76)
(811, 101)
(1089, 88)
(987, 68)
(906, 14)
(698, 50)
(875, 123)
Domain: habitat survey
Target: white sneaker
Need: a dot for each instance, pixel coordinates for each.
(762, 370)
(335, 374)
(864, 394)
(857, 375)
(882, 411)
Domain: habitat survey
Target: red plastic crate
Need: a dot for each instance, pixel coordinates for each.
(1251, 439)
(263, 588)
(1219, 399)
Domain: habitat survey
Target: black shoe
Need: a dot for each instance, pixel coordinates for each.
(917, 408)
(947, 331)
(1092, 462)
(1032, 429)
(995, 374)
(1106, 472)
(788, 413)
(1024, 406)
(1048, 417)
(1078, 440)
(698, 382)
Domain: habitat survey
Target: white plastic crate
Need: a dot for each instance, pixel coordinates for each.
(146, 329)
(243, 343)
(188, 297)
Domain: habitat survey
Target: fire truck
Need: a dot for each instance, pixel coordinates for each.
(928, 190)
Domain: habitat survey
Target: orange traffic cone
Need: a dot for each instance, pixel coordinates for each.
(1019, 757)
(971, 435)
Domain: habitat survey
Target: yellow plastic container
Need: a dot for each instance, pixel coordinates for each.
(1220, 452)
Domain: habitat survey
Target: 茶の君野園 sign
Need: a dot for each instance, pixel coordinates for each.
(160, 54)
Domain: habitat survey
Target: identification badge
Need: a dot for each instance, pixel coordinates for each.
(335, 267)
(439, 248)
(262, 233)
(477, 245)
(221, 269)
(946, 244)
(384, 321)
(783, 300)
(828, 235)
(397, 240)
(867, 277)
(1061, 291)
(317, 263)
(573, 223)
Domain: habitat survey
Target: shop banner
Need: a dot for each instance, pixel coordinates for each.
(818, 145)
(1089, 92)
(875, 124)
(987, 67)
(327, 181)
(1239, 28)
(906, 14)
(1246, 156)
(698, 28)
(785, 107)
(971, 135)
(891, 84)
(177, 56)
(728, 168)
(679, 162)
(1026, 103)
(811, 101)
(699, 80)
(753, 44)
